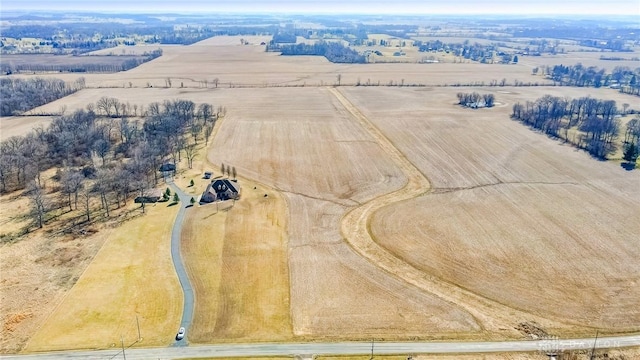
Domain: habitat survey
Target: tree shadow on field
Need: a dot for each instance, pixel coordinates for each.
(628, 165)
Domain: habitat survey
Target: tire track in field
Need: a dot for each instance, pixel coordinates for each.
(355, 229)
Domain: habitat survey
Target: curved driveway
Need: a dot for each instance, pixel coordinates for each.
(187, 309)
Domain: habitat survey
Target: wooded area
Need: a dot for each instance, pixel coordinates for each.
(333, 51)
(99, 156)
(20, 95)
(595, 122)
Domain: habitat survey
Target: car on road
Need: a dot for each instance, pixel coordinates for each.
(180, 334)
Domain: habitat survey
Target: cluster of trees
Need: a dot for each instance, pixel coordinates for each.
(20, 95)
(475, 100)
(475, 52)
(333, 51)
(284, 38)
(579, 75)
(110, 159)
(595, 121)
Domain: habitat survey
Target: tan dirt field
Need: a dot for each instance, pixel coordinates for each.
(132, 275)
(314, 152)
(512, 188)
(237, 65)
(21, 125)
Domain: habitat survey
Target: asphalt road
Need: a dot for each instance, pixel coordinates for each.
(187, 309)
(341, 348)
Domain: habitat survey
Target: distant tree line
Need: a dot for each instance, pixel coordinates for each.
(333, 51)
(594, 122)
(284, 38)
(20, 95)
(475, 100)
(578, 75)
(92, 64)
(100, 159)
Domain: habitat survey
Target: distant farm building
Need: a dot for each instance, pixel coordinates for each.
(221, 189)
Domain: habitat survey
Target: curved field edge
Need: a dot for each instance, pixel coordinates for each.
(534, 261)
(409, 220)
(313, 152)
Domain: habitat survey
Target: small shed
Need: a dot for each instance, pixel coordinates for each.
(150, 196)
(167, 167)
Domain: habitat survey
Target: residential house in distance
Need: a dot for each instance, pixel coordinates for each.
(221, 189)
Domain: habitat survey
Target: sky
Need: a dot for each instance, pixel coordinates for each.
(467, 7)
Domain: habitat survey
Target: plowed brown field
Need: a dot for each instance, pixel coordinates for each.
(315, 152)
(514, 216)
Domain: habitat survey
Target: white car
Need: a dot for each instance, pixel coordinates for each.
(180, 334)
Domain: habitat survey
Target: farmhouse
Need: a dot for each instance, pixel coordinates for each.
(221, 189)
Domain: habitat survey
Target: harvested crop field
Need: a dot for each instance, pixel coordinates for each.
(513, 216)
(315, 152)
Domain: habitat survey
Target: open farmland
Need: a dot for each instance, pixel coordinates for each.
(316, 154)
(524, 224)
(508, 201)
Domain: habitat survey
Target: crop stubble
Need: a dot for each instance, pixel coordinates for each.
(515, 217)
(304, 143)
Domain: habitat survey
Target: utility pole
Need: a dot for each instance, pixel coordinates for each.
(372, 342)
(593, 350)
(138, 323)
(122, 342)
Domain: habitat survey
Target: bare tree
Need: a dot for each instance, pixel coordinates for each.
(215, 82)
(39, 202)
(85, 201)
(191, 152)
(102, 147)
(71, 182)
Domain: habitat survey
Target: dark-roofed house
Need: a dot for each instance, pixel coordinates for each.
(221, 189)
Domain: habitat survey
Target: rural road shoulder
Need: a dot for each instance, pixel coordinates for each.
(341, 348)
(187, 309)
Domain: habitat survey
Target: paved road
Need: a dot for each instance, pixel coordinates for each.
(352, 348)
(187, 309)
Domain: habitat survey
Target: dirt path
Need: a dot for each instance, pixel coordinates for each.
(492, 316)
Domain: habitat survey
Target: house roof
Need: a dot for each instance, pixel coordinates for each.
(220, 182)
